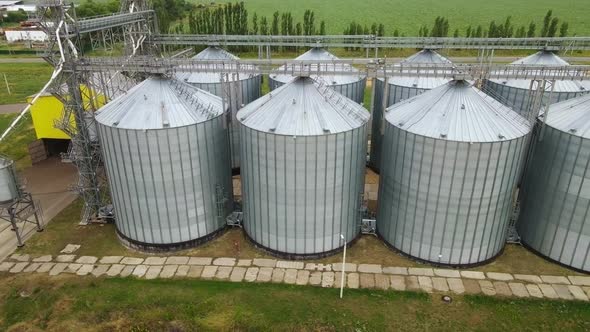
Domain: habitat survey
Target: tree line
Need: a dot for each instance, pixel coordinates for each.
(232, 18)
(551, 28)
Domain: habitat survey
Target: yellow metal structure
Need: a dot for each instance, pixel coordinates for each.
(48, 111)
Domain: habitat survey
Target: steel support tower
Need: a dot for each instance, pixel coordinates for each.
(79, 98)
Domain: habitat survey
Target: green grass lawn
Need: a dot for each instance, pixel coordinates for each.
(70, 303)
(408, 16)
(24, 80)
(15, 146)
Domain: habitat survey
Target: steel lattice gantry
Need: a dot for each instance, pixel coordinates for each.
(371, 42)
(373, 67)
(77, 90)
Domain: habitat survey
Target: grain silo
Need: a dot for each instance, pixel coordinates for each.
(166, 152)
(351, 86)
(401, 88)
(304, 148)
(517, 93)
(555, 206)
(448, 174)
(9, 190)
(244, 88)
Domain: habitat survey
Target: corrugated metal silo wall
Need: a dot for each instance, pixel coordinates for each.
(555, 218)
(251, 90)
(354, 91)
(164, 182)
(521, 99)
(300, 194)
(446, 202)
(8, 186)
(396, 94)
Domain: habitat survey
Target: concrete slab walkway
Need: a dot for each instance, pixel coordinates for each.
(321, 275)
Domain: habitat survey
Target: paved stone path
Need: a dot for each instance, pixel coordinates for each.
(375, 276)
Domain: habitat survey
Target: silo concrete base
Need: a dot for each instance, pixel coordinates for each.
(153, 248)
(437, 264)
(292, 256)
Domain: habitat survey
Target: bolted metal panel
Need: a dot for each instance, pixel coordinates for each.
(250, 91)
(555, 208)
(520, 98)
(300, 193)
(350, 86)
(448, 200)
(8, 183)
(400, 88)
(517, 93)
(244, 89)
(303, 149)
(169, 184)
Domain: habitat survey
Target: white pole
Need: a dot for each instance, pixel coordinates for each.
(7, 86)
(343, 266)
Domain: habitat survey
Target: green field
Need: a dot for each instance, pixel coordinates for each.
(408, 15)
(40, 303)
(24, 80)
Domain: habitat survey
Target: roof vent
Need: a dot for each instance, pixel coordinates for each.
(294, 101)
(443, 135)
(573, 130)
(462, 106)
(334, 82)
(415, 85)
(500, 136)
(504, 82)
(115, 124)
(401, 124)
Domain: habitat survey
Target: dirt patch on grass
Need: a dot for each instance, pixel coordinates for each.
(101, 240)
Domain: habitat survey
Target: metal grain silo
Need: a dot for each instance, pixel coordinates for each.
(517, 93)
(400, 88)
(351, 86)
(166, 152)
(304, 148)
(555, 206)
(243, 85)
(450, 161)
(9, 190)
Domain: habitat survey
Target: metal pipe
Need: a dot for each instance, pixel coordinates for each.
(343, 266)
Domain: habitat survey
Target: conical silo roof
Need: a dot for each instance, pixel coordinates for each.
(425, 56)
(571, 116)
(212, 53)
(303, 107)
(158, 103)
(457, 111)
(542, 58)
(545, 58)
(317, 53)
(215, 53)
